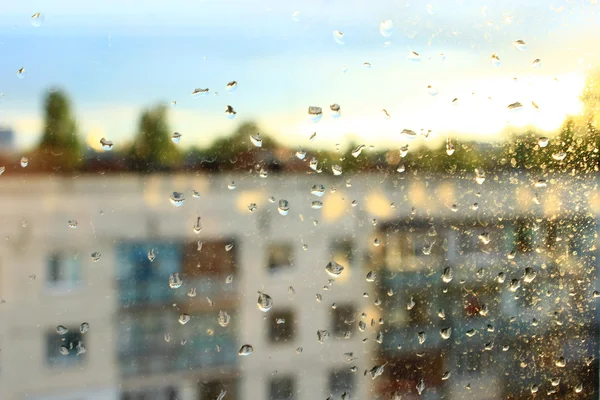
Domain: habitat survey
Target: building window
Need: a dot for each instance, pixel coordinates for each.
(343, 319)
(169, 393)
(343, 252)
(65, 350)
(282, 326)
(282, 388)
(210, 258)
(64, 271)
(281, 255)
(341, 381)
(210, 390)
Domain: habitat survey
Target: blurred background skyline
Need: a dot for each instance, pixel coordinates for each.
(115, 59)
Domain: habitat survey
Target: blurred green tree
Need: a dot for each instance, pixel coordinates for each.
(60, 145)
(152, 149)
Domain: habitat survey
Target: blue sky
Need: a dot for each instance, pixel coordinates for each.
(116, 57)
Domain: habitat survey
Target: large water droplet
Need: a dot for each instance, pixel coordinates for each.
(175, 281)
(230, 113)
(318, 190)
(177, 199)
(256, 140)
(176, 137)
(315, 113)
(24, 162)
(246, 350)
(231, 86)
(61, 330)
(264, 302)
(445, 333)
(335, 110)
(420, 387)
(520, 45)
(96, 256)
(386, 28)
(336, 169)
(447, 274)
(84, 327)
(334, 269)
(338, 37)
(284, 207)
(371, 276)
(322, 335)
(106, 144)
(224, 318)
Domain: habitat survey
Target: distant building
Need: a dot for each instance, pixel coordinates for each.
(7, 139)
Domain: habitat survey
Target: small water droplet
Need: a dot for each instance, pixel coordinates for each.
(421, 336)
(408, 134)
(334, 269)
(447, 274)
(479, 176)
(197, 226)
(106, 144)
(252, 207)
(561, 362)
(24, 162)
(559, 155)
(445, 333)
(184, 319)
(371, 276)
(543, 141)
(420, 387)
(316, 204)
(73, 224)
(191, 292)
(61, 330)
(376, 242)
(432, 90)
(283, 207)
(537, 63)
(411, 303)
(335, 110)
(414, 56)
(200, 92)
(495, 60)
(322, 335)
(21, 73)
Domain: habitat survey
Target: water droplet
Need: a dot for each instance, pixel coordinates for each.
(24, 162)
(479, 176)
(471, 332)
(318, 297)
(579, 388)
(432, 90)
(537, 63)
(61, 330)
(200, 92)
(246, 350)
(284, 207)
(73, 224)
(175, 281)
(184, 319)
(386, 114)
(421, 336)
(300, 154)
(371, 276)
(543, 141)
(561, 362)
(411, 303)
(515, 284)
(559, 155)
(404, 150)
(338, 37)
(446, 376)
(534, 389)
(224, 318)
(420, 387)
(21, 73)
(408, 134)
(316, 204)
(335, 110)
(336, 169)
(256, 140)
(64, 350)
(376, 242)
(37, 20)
(520, 45)
(334, 269)
(167, 337)
(231, 185)
(445, 333)
(84, 327)
(264, 302)
(322, 335)
(315, 113)
(447, 274)
(230, 113)
(414, 56)
(495, 60)
(177, 199)
(515, 106)
(530, 275)
(176, 137)
(151, 255)
(313, 164)
(197, 226)
(318, 190)
(231, 86)
(106, 144)
(96, 256)
(386, 28)
(296, 16)
(191, 292)
(367, 65)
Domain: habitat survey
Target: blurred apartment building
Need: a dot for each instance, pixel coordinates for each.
(136, 348)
